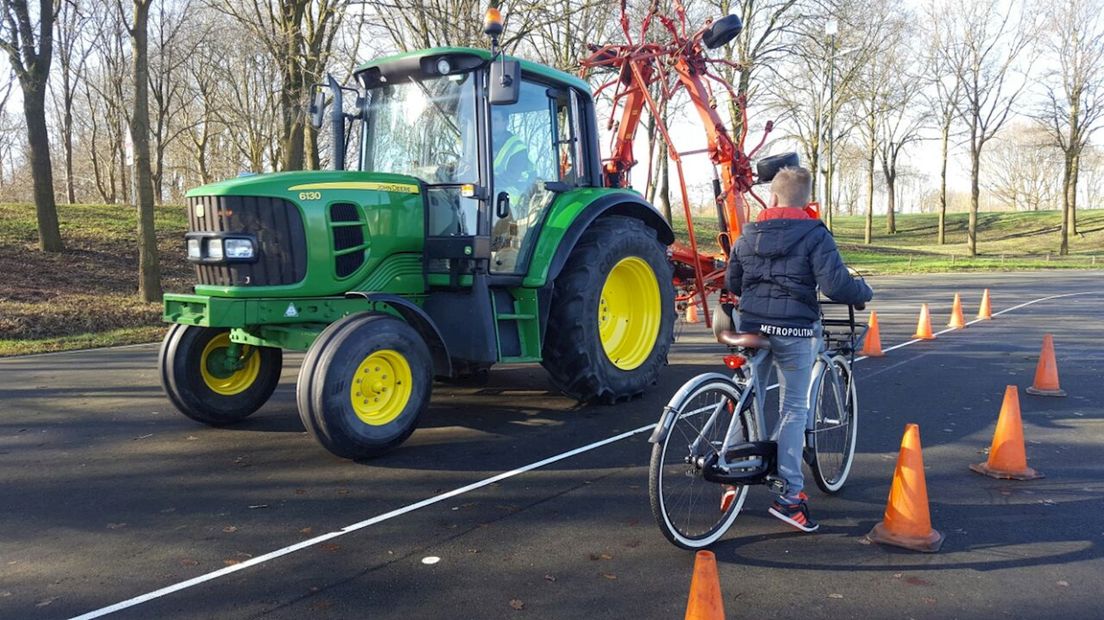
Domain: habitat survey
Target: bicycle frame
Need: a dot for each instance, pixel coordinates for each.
(754, 462)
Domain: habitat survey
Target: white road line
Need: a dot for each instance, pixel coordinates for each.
(183, 585)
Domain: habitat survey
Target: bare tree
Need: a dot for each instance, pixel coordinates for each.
(1019, 167)
(30, 51)
(769, 32)
(8, 131)
(438, 23)
(107, 95)
(149, 267)
(872, 93)
(993, 41)
(899, 123)
(1092, 173)
(1074, 94)
(298, 35)
(167, 84)
(560, 40)
(73, 53)
(943, 95)
(807, 97)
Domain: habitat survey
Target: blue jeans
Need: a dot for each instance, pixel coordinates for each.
(793, 357)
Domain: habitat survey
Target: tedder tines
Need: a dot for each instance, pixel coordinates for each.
(477, 225)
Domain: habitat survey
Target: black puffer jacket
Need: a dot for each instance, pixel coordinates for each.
(775, 270)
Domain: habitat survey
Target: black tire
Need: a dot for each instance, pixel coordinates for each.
(573, 350)
(685, 505)
(328, 381)
(835, 428)
(205, 397)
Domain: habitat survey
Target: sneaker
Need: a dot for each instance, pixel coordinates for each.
(796, 515)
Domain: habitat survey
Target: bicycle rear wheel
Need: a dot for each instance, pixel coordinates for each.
(835, 427)
(688, 508)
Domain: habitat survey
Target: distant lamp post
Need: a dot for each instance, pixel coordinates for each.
(831, 29)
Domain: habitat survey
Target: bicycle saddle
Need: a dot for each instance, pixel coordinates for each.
(747, 340)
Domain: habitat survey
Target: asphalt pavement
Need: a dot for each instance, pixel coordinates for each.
(110, 496)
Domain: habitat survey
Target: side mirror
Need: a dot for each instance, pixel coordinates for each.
(767, 167)
(504, 86)
(722, 31)
(317, 106)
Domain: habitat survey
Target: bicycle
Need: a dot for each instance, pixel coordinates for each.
(701, 444)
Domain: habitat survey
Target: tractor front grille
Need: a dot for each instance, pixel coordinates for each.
(275, 223)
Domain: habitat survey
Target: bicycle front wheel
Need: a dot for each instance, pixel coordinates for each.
(835, 427)
(692, 512)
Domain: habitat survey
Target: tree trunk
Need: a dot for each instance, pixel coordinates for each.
(1075, 172)
(889, 172)
(67, 137)
(944, 139)
(312, 149)
(868, 232)
(1067, 173)
(975, 192)
(663, 184)
(292, 138)
(38, 139)
(891, 206)
(814, 171)
(149, 269)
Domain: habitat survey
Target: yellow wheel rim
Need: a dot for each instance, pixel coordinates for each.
(381, 387)
(629, 313)
(212, 365)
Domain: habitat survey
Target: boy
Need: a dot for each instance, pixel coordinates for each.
(775, 269)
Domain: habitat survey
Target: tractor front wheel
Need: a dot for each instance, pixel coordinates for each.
(207, 384)
(363, 384)
(612, 315)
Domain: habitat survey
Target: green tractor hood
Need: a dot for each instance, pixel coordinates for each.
(318, 233)
(289, 184)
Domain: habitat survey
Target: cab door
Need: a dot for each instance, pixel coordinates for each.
(534, 154)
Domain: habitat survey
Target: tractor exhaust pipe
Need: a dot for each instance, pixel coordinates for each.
(337, 116)
(337, 122)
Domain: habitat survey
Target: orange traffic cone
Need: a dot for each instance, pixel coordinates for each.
(873, 345)
(957, 321)
(692, 313)
(1006, 454)
(1046, 372)
(923, 326)
(907, 522)
(705, 589)
(985, 310)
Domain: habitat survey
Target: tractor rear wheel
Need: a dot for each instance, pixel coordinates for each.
(363, 384)
(208, 387)
(612, 314)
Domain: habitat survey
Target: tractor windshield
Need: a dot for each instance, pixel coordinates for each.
(424, 128)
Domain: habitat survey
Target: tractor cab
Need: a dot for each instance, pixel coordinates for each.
(490, 166)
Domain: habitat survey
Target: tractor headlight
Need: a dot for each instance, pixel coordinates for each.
(241, 249)
(443, 66)
(193, 249)
(214, 249)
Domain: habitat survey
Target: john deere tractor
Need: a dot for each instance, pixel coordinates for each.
(472, 227)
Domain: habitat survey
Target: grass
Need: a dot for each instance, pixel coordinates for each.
(86, 296)
(1006, 242)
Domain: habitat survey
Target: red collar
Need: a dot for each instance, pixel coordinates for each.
(782, 213)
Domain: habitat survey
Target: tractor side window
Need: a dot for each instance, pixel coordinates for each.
(567, 138)
(526, 153)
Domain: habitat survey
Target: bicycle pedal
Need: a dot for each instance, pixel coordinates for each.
(776, 485)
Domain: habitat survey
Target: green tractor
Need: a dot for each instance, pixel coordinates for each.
(474, 228)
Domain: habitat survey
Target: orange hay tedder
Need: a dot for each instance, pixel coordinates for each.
(649, 75)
